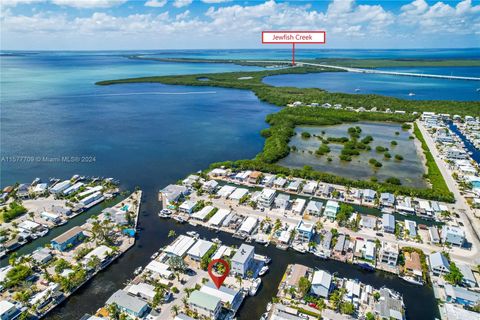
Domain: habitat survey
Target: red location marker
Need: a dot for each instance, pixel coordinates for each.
(218, 279)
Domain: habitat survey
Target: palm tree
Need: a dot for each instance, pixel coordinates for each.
(239, 280)
(185, 301)
(172, 233)
(175, 309)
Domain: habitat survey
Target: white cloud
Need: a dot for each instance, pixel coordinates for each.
(156, 3)
(215, 1)
(182, 3)
(441, 18)
(13, 3)
(82, 4)
(183, 15)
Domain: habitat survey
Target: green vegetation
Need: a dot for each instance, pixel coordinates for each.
(306, 135)
(398, 157)
(380, 149)
(17, 274)
(387, 155)
(322, 150)
(406, 126)
(375, 163)
(344, 213)
(281, 96)
(455, 276)
(393, 143)
(303, 286)
(393, 180)
(433, 173)
(14, 210)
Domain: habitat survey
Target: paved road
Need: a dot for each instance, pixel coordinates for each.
(472, 224)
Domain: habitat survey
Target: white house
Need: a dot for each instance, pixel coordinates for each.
(453, 235)
(389, 253)
(298, 206)
(305, 231)
(310, 187)
(210, 186)
(248, 226)
(456, 153)
(388, 223)
(321, 283)
(266, 198)
(243, 259)
(314, 208)
(187, 206)
(199, 249)
(180, 246)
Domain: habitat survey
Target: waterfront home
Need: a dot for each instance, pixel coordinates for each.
(254, 177)
(390, 305)
(387, 199)
(22, 191)
(461, 296)
(369, 195)
(187, 206)
(248, 226)
(68, 239)
(405, 206)
(326, 191)
(159, 269)
(453, 235)
(413, 264)
(356, 194)
(228, 296)
(325, 241)
(388, 223)
(365, 250)
(310, 187)
(218, 172)
(424, 207)
(305, 231)
(282, 201)
(221, 252)
(199, 249)
(433, 233)
(298, 206)
(411, 227)
(314, 208)
(116, 215)
(97, 196)
(238, 194)
(468, 277)
(218, 217)
(89, 190)
(266, 198)
(49, 216)
(204, 304)
(225, 191)
(268, 180)
(331, 209)
(190, 180)
(454, 153)
(172, 194)
(321, 283)
(203, 213)
(294, 185)
(9, 311)
(279, 182)
(443, 136)
(210, 186)
(40, 188)
(60, 187)
(242, 176)
(243, 259)
(142, 290)
(73, 188)
(180, 246)
(439, 264)
(42, 255)
(454, 312)
(389, 253)
(29, 226)
(102, 253)
(129, 304)
(341, 245)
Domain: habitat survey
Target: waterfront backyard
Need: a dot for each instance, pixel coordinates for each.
(409, 169)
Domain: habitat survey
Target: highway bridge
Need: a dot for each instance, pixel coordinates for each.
(361, 70)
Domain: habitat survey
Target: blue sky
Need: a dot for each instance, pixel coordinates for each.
(183, 24)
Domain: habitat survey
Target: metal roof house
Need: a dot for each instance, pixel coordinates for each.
(314, 208)
(225, 294)
(180, 246)
(68, 239)
(439, 264)
(321, 283)
(461, 295)
(388, 223)
(205, 304)
(199, 249)
(129, 304)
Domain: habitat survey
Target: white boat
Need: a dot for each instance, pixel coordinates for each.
(299, 248)
(269, 306)
(411, 94)
(165, 213)
(179, 219)
(321, 255)
(264, 316)
(43, 233)
(263, 270)
(254, 287)
(216, 240)
(137, 271)
(357, 90)
(193, 234)
(412, 280)
(154, 255)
